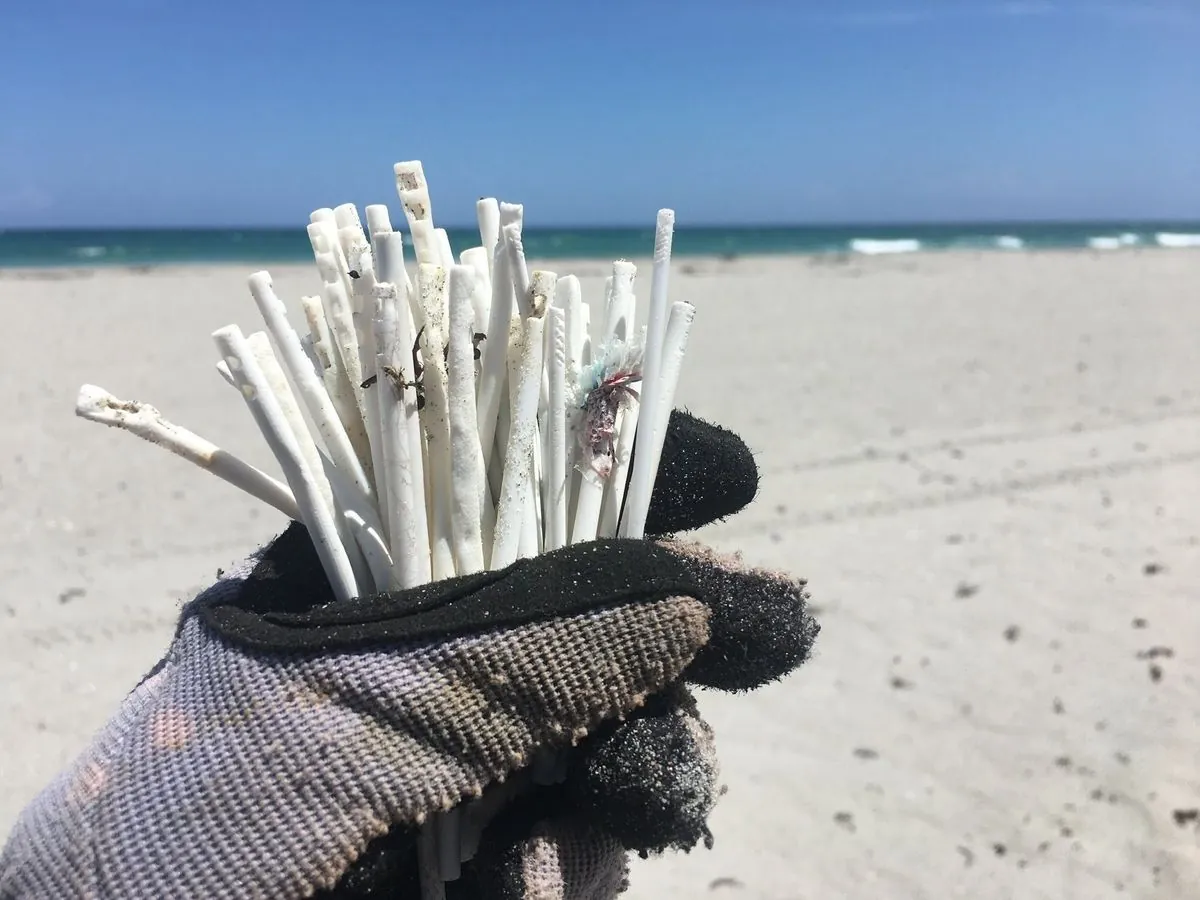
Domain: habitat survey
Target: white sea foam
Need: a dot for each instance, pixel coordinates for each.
(1170, 239)
(1009, 242)
(874, 247)
(89, 252)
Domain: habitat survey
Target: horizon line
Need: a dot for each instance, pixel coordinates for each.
(844, 223)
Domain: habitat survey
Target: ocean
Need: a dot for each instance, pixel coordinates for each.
(148, 247)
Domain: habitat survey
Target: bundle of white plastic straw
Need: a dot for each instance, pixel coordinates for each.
(463, 415)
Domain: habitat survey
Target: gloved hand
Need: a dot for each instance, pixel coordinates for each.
(289, 745)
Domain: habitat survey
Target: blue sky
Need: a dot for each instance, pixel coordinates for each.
(157, 112)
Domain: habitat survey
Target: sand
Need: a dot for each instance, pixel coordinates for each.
(988, 466)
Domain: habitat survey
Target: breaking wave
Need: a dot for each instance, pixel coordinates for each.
(1114, 242)
(873, 247)
(1175, 240)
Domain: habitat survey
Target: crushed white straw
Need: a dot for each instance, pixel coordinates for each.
(141, 419)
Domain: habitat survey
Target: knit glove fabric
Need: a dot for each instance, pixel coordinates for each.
(289, 745)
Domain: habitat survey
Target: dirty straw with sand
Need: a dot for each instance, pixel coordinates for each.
(444, 424)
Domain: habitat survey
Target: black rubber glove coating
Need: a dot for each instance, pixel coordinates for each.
(566, 582)
(646, 780)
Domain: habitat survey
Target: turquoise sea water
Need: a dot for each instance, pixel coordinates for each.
(248, 245)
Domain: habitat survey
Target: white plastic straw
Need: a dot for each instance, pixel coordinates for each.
(318, 332)
(481, 294)
(432, 282)
(445, 251)
(374, 548)
(522, 437)
(555, 509)
(260, 346)
(645, 466)
(379, 220)
(493, 375)
(312, 391)
(662, 394)
(466, 468)
(487, 212)
(261, 402)
(408, 532)
(518, 269)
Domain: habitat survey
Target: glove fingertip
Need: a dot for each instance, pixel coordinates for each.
(651, 781)
(707, 473)
(761, 626)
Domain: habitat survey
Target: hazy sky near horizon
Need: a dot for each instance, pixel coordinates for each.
(154, 112)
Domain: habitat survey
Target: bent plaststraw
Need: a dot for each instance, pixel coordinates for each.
(637, 502)
(141, 419)
(466, 466)
(556, 502)
(312, 389)
(521, 440)
(374, 548)
(263, 407)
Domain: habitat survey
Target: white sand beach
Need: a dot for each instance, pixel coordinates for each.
(987, 465)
